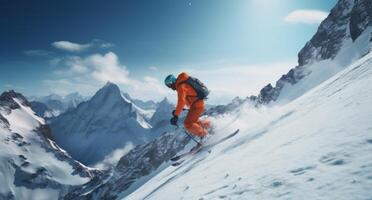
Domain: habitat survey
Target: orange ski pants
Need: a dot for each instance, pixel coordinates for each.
(193, 124)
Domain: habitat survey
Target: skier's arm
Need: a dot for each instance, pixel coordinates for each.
(181, 100)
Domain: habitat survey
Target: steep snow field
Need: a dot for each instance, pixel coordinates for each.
(316, 147)
(28, 167)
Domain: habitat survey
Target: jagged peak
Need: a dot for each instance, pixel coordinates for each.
(7, 99)
(110, 84)
(13, 94)
(164, 104)
(109, 93)
(165, 100)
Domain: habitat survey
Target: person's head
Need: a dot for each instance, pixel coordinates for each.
(170, 81)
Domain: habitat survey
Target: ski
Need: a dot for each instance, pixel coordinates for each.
(181, 158)
(192, 151)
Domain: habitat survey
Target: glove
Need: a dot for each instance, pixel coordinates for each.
(174, 120)
(174, 113)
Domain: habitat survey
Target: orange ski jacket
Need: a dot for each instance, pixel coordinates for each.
(187, 96)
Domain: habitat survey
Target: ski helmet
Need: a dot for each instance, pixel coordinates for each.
(170, 80)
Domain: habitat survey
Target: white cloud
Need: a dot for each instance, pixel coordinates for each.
(64, 86)
(227, 82)
(76, 47)
(87, 74)
(107, 68)
(113, 158)
(99, 67)
(306, 16)
(150, 88)
(70, 46)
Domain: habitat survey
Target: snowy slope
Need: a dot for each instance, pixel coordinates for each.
(32, 166)
(316, 147)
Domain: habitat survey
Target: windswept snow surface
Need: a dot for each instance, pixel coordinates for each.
(316, 147)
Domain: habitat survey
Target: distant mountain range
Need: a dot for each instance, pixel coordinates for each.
(53, 105)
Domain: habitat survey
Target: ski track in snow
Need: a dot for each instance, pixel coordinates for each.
(318, 149)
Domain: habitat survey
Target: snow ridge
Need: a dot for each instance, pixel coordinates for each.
(32, 166)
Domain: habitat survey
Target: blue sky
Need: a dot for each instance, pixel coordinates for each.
(235, 46)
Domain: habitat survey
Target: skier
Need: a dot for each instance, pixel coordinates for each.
(191, 93)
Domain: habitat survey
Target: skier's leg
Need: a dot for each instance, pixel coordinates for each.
(206, 124)
(192, 123)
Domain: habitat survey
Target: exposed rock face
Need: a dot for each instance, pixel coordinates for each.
(139, 162)
(8, 103)
(327, 41)
(360, 18)
(346, 21)
(40, 108)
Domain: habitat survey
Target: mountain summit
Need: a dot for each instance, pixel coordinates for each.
(343, 37)
(96, 127)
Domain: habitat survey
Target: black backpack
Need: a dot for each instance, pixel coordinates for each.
(201, 90)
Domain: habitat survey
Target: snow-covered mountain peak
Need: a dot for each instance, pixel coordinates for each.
(109, 91)
(111, 97)
(32, 165)
(8, 99)
(108, 121)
